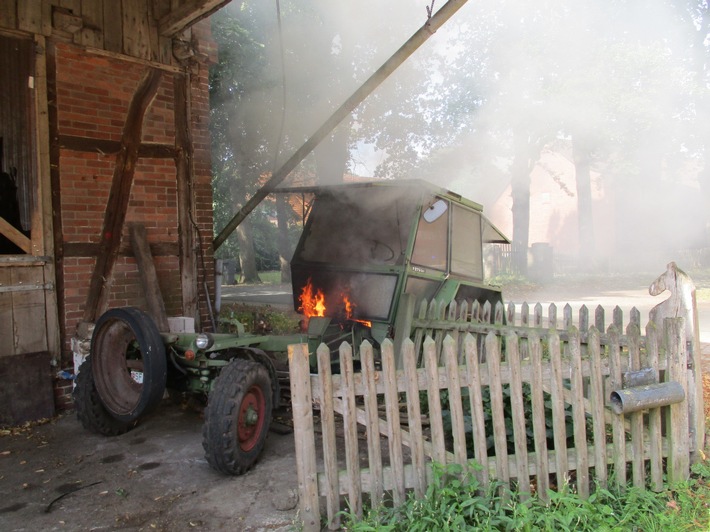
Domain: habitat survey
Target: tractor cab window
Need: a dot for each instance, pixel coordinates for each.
(360, 227)
(431, 243)
(466, 257)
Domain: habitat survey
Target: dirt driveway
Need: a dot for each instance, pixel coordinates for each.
(152, 478)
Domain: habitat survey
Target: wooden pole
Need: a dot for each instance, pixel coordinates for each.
(120, 193)
(408, 48)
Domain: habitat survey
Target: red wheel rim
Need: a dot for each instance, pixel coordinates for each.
(251, 418)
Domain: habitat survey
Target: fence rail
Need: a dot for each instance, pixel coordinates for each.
(529, 405)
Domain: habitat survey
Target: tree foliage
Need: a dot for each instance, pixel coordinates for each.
(619, 88)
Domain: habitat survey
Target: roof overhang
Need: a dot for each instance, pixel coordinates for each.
(187, 14)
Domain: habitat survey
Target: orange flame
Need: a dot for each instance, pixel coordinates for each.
(313, 304)
(349, 312)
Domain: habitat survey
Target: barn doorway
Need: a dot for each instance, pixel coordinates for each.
(17, 147)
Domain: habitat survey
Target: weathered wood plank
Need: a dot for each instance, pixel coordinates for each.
(578, 413)
(29, 16)
(374, 451)
(30, 334)
(15, 236)
(352, 456)
(414, 416)
(473, 374)
(596, 389)
(393, 421)
(92, 34)
(113, 34)
(7, 319)
(107, 146)
(190, 12)
(304, 436)
(678, 463)
(637, 433)
(617, 424)
(91, 249)
(455, 404)
(185, 197)
(148, 276)
(136, 29)
(654, 415)
(500, 439)
(559, 427)
(518, 411)
(541, 460)
(8, 14)
(434, 401)
(330, 452)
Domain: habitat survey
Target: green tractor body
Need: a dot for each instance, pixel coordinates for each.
(363, 248)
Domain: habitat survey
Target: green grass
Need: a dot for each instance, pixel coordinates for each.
(257, 319)
(455, 501)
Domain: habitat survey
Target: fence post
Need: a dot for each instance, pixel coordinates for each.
(303, 433)
(327, 418)
(677, 420)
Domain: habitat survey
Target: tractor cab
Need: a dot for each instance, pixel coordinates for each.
(365, 245)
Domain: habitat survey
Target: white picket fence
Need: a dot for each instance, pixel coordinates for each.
(519, 365)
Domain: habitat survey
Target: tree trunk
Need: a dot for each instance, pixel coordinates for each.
(282, 207)
(247, 256)
(332, 155)
(587, 247)
(520, 191)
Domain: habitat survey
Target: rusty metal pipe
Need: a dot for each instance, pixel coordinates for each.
(638, 398)
(382, 73)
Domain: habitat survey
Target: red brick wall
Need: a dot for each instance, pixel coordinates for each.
(93, 95)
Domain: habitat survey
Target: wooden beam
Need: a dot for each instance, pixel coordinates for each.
(188, 14)
(149, 277)
(119, 195)
(15, 236)
(362, 92)
(105, 146)
(185, 198)
(91, 249)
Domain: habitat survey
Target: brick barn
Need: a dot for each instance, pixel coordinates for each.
(104, 158)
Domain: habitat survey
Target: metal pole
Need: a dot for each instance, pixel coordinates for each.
(407, 49)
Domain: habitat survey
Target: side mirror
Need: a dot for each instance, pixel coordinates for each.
(435, 211)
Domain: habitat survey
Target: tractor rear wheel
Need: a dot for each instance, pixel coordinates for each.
(237, 417)
(90, 410)
(129, 364)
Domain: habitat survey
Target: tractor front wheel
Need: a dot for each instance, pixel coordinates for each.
(237, 417)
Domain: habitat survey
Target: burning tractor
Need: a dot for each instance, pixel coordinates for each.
(363, 247)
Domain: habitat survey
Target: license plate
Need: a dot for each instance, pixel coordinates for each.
(137, 376)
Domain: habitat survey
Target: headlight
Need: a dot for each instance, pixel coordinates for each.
(203, 341)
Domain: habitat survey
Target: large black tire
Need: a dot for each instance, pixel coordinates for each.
(90, 410)
(129, 363)
(237, 417)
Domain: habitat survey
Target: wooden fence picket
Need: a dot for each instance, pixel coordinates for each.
(330, 454)
(372, 413)
(538, 418)
(654, 415)
(543, 373)
(578, 413)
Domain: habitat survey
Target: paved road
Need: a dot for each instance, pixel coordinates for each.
(277, 295)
